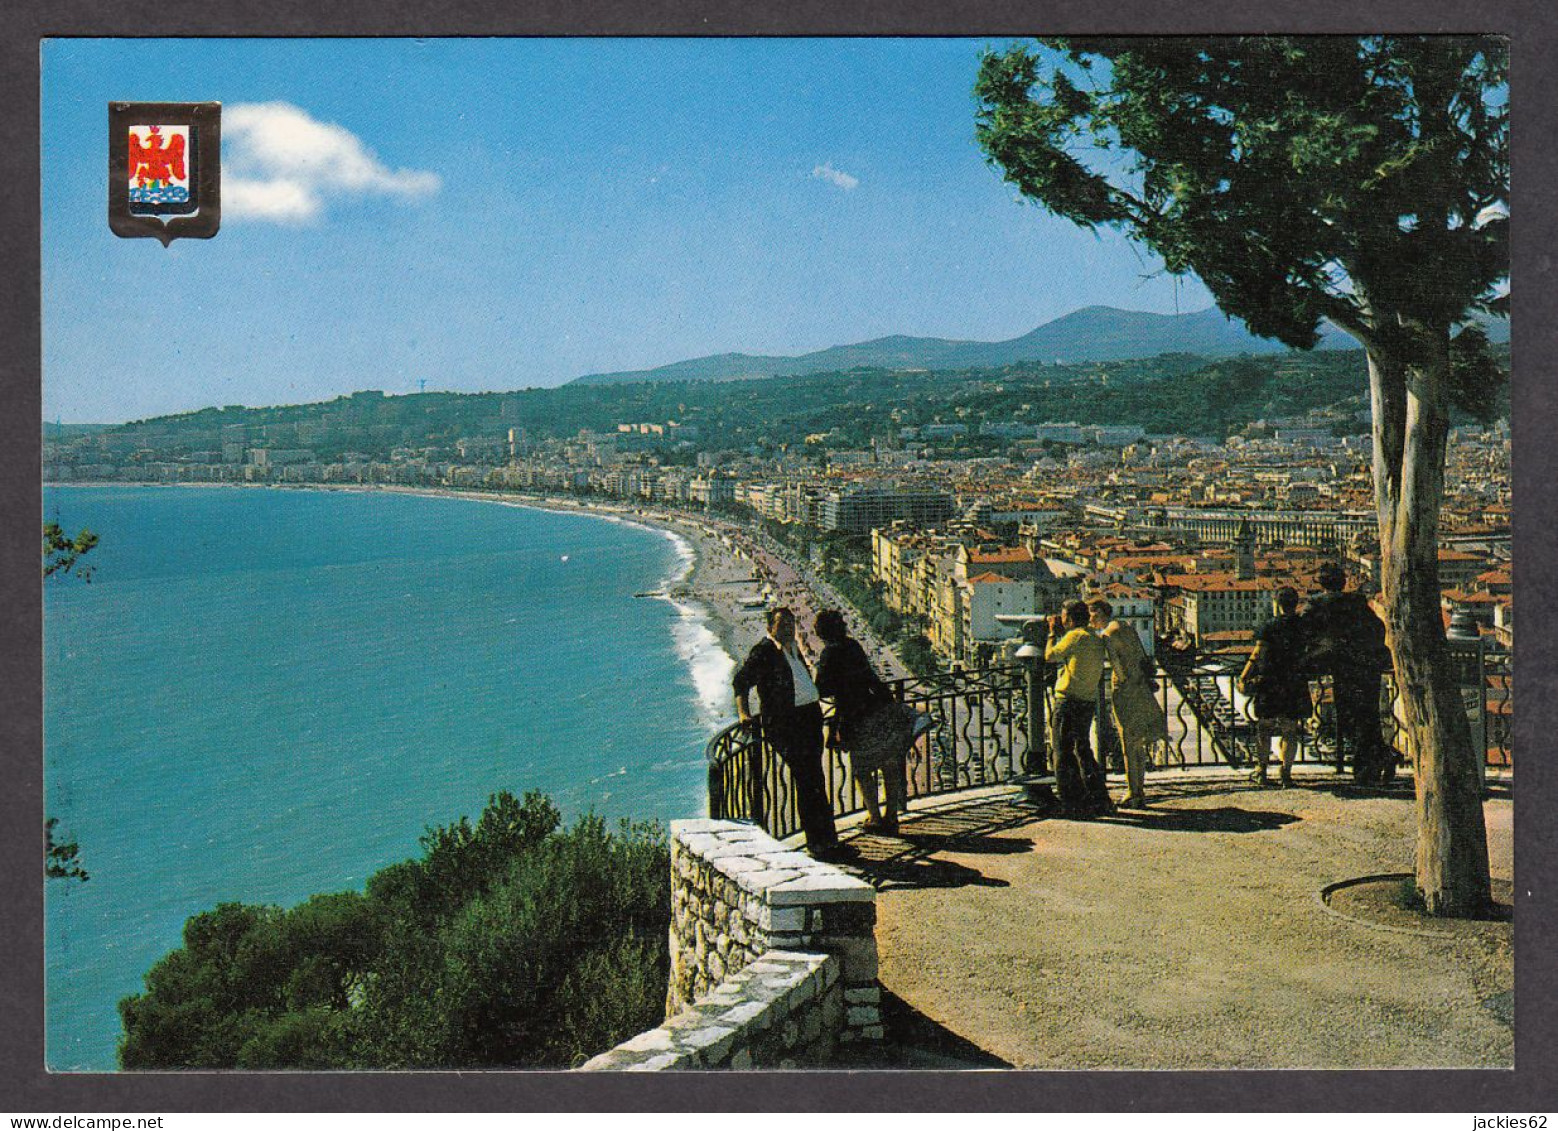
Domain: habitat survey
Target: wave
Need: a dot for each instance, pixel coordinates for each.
(711, 666)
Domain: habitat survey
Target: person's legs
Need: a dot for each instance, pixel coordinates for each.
(804, 757)
(1357, 718)
(866, 780)
(1263, 732)
(1135, 768)
(1095, 784)
(895, 782)
(1070, 782)
(1287, 748)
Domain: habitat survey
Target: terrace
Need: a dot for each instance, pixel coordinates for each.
(1222, 927)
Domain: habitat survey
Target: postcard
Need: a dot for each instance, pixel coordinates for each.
(948, 553)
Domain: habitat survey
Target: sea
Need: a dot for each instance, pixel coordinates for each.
(262, 694)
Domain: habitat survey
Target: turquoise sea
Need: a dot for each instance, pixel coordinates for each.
(266, 693)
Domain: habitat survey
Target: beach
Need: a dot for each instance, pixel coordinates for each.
(266, 694)
(736, 575)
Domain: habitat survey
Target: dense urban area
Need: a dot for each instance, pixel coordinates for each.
(1185, 490)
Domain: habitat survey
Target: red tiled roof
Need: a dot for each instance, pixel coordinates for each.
(1461, 597)
(989, 577)
(1006, 554)
(1218, 583)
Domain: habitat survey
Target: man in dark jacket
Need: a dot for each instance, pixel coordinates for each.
(791, 713)
(1345, 639)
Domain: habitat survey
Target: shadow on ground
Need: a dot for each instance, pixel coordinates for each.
(907, 860)
(1223, 819)
(915, 1041)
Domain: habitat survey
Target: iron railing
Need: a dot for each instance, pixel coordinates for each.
(991, 725)
(979, 735)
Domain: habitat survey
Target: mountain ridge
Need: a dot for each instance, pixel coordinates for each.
(1089, 334)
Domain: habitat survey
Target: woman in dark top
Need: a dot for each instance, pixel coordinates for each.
(1275, 680)
(865, 720)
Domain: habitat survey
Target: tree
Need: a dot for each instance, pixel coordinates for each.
(62, 553)
(1360, 181)
(61, 859)
(510, 942)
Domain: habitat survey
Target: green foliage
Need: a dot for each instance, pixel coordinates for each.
(61, 859)
(1168, 394)
(62, 553)
(507, 943)
(919, 656)
(1360, 180)
(1364, 180)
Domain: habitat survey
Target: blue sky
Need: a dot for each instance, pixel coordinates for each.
(490, 214)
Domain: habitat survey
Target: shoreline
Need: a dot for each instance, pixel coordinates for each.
(727, 572)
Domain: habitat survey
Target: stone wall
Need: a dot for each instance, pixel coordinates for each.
(773, 956)
(785, 1010)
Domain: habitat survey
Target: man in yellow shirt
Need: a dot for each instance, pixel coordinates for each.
(1079, 656)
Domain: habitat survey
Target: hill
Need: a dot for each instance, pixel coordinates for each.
(1171, 393)
(1092, 334)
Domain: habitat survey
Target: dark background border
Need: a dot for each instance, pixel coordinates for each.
(26, 1088)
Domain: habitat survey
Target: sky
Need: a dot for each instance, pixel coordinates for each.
(494, 214)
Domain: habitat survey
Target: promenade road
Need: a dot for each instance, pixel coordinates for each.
(1188, 936)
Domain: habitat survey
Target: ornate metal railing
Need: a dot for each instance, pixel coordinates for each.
(1210, 722)
(979, 735)
(991, 725)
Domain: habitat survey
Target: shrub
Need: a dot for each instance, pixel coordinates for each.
(510, 943)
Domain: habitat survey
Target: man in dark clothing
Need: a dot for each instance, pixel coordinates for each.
(791, 712)
(1277, 686)
(1345, 639)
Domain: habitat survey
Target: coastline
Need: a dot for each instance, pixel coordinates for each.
(730, 567)
(722, 586)
(728, 572)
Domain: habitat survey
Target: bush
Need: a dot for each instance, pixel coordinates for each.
(508, 943)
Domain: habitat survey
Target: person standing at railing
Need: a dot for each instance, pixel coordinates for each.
(867, 721)
(1141, 723)
(1079, 658)
(1345, 639)
(791, 713)
(1274, 680)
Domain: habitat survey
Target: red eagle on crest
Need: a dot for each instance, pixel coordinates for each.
(151, 162)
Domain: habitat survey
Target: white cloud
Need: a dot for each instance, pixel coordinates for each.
(281, 201)
(827, 172)
(281, 165)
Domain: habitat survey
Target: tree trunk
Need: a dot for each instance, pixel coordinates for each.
(1411, 432)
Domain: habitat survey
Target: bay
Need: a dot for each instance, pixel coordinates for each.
(263, 694)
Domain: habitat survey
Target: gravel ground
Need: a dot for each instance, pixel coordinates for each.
(1188, 936)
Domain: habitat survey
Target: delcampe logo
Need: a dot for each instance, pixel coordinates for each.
(165, 169)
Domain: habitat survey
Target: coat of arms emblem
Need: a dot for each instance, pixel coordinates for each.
(164, 177)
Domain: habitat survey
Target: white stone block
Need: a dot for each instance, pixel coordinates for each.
(705, 825)
(798, 861)
(835, 887)
(748, 1013)
(766, 965)
(786, 919)
(863, 995)
(737, 865)
(859, 1016)
(701, 844)
(713, 1041)
(657, 1063)
(651, 1040)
